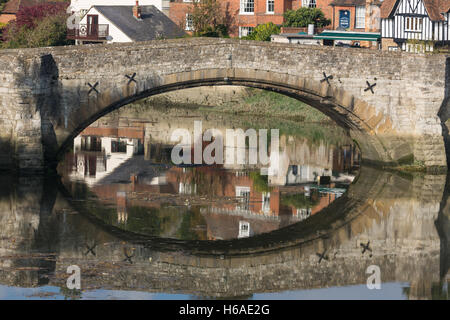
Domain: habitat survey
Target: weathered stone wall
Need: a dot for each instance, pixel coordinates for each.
(399, 120)
(206, 96)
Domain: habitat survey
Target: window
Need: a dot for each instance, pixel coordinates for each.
(360, 22)
(266, 202)
(189, 22)
(413, 24)
(247, 6)
(244, 229)
(245, 31)
(420, 47)
(243, 193)
(303, 213)
(118, 146)
(308, 3)
(270, 6)
(294, 170)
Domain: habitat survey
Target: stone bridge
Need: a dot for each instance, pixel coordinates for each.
(393, 104)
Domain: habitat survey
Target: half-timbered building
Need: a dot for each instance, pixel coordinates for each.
(415, 25)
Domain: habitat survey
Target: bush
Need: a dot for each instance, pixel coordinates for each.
(304, 16)
(38, 26)
(263, 32)
(219, 31)
(209, 19)
(30, 16)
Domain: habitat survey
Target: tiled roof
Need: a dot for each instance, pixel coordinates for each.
(348, 3)
(386, 8)
(433, 7)
(436, 7)
(13, 6)
(153, 23)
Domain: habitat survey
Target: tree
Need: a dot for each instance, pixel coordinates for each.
(209, 18)
(37, 26)
(30, 16)
(305, 16)
(2, 4)
(263, 32)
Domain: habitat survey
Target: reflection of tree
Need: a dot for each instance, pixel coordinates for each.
(209, 180)
(191, 219)
(260, 183)
(299, 201)
(70, 294)
(439, 291)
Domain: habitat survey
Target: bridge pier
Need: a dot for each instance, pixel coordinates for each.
(391, 103)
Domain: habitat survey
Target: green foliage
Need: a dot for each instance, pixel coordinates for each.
(299, 201)
(260, 183)
(263, 32)
(304, 16)
(2, 4)
(50, 31)
(219, 31)
(267, 103)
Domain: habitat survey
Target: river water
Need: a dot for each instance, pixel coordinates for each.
(140, 227)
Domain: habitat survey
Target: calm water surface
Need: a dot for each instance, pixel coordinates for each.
(140, 227)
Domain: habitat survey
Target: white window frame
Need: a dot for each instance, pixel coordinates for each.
(244, 229)
(189, 23)
(265, 207)
(244, 194)
(309, 3)
(247, 7)
(360, 17)
(413, 24)
(269, 4)
(248, 31)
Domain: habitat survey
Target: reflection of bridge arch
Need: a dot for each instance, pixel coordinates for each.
(396, 214)
(393, 216)
(319, 226)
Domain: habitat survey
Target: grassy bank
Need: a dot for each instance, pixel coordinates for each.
(257, 110)
(272, 104)
(253, 102)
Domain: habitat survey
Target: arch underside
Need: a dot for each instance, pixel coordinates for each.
(317, 95)
(350, 207)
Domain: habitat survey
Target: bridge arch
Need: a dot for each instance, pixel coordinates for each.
(314, 93)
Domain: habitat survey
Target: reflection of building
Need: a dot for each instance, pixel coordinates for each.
(96, 157)
(122, 215)
(119, 161)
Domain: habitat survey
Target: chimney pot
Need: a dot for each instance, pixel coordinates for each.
(137, 10)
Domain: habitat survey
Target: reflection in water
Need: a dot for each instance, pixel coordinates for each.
(128, 218)
(405, 220)
(123, 168)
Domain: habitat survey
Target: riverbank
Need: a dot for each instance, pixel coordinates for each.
(238, 101)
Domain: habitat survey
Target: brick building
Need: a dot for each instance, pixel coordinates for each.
(355, 15)
(242, 15)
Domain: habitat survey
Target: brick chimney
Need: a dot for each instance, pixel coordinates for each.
(137, 10)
